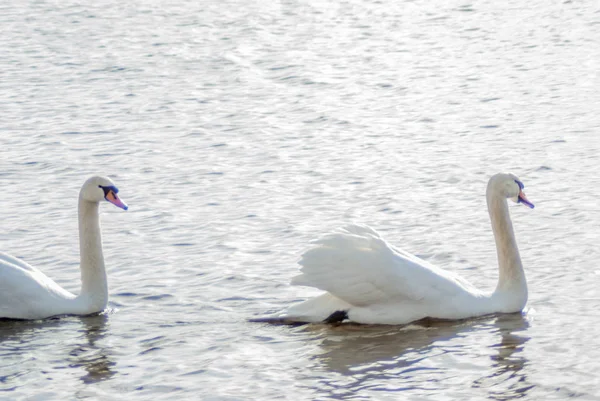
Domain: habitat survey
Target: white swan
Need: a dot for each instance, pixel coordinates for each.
(27, 293)
(369, 281)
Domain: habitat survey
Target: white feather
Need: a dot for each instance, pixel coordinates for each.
(27, 293)
(374, 282)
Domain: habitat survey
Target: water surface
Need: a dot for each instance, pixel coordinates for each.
(239, 131)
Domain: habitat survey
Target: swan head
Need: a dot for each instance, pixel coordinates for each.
(511, 187)
(97, 189)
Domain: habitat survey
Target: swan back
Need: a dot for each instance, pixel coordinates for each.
(26, 293)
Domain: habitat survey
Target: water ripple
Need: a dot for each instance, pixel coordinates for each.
(238, 132)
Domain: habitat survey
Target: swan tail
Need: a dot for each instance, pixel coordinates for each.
(325, 308)
(322, 309)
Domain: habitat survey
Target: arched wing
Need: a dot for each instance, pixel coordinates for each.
(25, 291)
(357, 266)
(5, 257)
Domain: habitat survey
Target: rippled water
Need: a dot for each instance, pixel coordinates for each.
(237, 131)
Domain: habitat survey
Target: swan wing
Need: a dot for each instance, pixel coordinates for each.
(359, 267)
(5, 257)
(26, 292)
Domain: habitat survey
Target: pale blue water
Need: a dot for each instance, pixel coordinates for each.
(238, 131)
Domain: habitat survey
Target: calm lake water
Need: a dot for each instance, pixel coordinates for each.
(238, 131)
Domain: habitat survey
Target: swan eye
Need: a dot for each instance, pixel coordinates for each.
(520, 184)
(108, 189)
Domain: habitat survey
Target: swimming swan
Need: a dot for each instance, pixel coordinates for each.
(369, 281)
(27, 293)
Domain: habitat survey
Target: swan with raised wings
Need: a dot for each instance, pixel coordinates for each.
(27, 293)
(369, 281)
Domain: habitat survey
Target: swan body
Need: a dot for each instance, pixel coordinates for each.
(369, 281)
(27, 293)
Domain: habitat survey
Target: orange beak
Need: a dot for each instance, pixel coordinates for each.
(113, 198)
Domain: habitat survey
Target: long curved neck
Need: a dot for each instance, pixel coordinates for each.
(512, 281)
(94, 287)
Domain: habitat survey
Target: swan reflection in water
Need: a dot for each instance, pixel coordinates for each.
(92, 357)
(506, 380)
(78, 345)
(421, 355)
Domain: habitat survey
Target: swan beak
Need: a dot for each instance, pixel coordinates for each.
(112, 197)
(523, 199)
